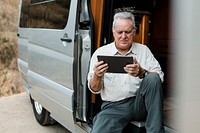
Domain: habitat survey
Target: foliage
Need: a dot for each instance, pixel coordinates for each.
(9, 76)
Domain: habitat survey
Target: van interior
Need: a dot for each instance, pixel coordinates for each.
(153, 29)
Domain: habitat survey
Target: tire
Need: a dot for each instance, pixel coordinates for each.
(41, 114)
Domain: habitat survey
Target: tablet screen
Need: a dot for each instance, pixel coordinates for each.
(116, 64)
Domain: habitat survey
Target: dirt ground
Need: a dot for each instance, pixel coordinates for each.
(16, 116)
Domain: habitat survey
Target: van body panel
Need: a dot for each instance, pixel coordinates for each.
(23, 56)
(23, 48)
(53, 97)
(84, 59)
(51, 89)
(50, 72)
(46, 61)
(51, 64)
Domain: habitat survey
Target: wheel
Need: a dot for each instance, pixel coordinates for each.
(41, 114)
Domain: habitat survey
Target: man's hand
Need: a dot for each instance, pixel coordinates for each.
(134, 69)
(100, 69)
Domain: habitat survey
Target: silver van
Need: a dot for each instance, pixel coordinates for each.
(56, 39)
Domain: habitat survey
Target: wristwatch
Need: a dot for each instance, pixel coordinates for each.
(143, 74)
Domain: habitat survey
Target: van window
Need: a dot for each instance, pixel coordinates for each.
(49, 14)
(24, 16)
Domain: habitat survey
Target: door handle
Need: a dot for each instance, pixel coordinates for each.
(66, 39)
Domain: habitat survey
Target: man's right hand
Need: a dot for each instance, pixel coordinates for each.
(100, 69)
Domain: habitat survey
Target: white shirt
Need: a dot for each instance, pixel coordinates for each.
(121, 86)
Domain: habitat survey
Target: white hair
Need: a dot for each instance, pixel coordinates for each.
(124, 15)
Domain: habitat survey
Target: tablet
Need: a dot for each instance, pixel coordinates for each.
(116, 64)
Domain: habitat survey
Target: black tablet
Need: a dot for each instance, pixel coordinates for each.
(116, 64)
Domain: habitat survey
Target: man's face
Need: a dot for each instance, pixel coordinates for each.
(123, 34)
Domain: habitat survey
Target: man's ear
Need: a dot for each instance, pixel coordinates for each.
(113, 30)
(134, 32)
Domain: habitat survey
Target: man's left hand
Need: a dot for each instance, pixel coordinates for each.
(134, 69)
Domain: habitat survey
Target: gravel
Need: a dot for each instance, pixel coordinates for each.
(16, 116)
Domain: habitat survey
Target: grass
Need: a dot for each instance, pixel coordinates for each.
(9, 76)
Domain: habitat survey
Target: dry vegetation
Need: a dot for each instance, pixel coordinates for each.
(9, 76)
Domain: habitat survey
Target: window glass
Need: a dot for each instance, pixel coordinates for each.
(36, 1)
(52, 14)
(24, 16)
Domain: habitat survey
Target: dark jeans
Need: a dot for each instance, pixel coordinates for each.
(146, 105)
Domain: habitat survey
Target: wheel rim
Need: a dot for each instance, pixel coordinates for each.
(38, 107)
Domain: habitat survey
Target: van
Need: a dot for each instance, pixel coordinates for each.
(56, 39)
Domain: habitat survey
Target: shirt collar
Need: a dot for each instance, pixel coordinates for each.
(132, 50)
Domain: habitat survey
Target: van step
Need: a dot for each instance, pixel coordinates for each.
(138, 123)
(135, 127)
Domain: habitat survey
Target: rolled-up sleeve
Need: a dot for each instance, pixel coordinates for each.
(93, 61)
(90, 76)
(152, 65)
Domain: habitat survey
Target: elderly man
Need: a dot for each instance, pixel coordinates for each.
(134, 95)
